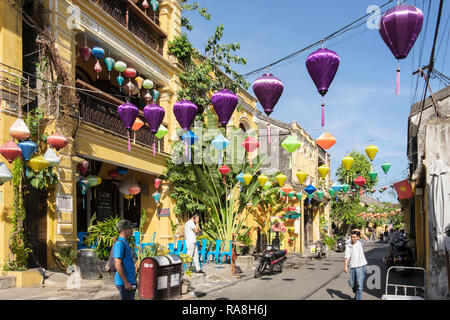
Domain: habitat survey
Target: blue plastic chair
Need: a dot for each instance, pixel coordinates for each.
(179, 248)
(226, 254)
(81, 235)
(171, 248)
(215, 253)
(137, 239)
(202, 249)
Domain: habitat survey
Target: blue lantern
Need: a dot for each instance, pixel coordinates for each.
(310, 191)
(156, 196)
(109, 65)
(120, 81)
(28, 149)
(189, 139)
(220, 143)
(98, 52)
(122, 171)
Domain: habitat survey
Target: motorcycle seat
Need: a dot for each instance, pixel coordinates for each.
(279, 253)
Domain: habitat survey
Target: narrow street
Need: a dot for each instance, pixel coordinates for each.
(315, 280)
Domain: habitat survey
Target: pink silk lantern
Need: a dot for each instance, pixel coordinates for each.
(157, 182)
(19, 130)
(250, 144)
(57, 141)
(10, 151)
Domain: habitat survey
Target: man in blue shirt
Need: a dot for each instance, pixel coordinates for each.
(125, 277)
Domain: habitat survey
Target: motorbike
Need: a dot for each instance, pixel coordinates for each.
(340, 245)
(272, 260)
(398, 254)
(320, 250)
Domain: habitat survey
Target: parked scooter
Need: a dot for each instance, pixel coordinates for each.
(272, 260)
(340, 245)
(398, 254)
(320, 250)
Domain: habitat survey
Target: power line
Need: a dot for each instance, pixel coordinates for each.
(335, 34)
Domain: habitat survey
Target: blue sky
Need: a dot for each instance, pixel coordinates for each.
(361, 105)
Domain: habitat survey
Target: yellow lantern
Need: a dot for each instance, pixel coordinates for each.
(247, 178)
(347, 162)
(371, 151)
(262, 179)
(281, 178)
(128, 196)
(323, 170)
(301, 176)
(38, 163)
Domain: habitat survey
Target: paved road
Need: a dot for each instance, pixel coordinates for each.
(314, 280)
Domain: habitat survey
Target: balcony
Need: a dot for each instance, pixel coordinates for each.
(100, 110)
(144, 25)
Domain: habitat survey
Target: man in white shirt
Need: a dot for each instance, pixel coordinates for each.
(354, 257)
(191, 230)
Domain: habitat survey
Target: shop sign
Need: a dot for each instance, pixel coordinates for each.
(64, 202)
(163, 212)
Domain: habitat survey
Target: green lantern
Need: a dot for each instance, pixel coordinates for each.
(386, 166)
(320, 194)
(310, 196)
(282, 194)
(291, 194)
(345, 187)
(331, 192)
(162, 131)
(267, 185)
(373, 175)
(291, 144)
(299, 195)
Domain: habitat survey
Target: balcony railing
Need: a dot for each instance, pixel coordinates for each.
(143, 25)
(100, 113)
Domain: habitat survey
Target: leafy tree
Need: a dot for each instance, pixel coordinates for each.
(361, 167)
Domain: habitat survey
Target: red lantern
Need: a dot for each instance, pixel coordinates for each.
(326, 141)
(10, 151)
(134, 189)
(250, 144)
(82, 167)
(157, 182)
(130, 73)
(113, 174)
(224, 170)
(57, 141)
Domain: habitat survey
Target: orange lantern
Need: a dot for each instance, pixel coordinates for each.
(326, 141)
(138, 123)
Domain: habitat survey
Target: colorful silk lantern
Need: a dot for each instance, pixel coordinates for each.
(301, 176)
(155, 95)
(113, 174)
(189, 139)
(347, 162)
(320, 194)
(162, 131)
(220, 143)
(98, 53)
(139, 81)
(154, 4)
(185, 112)
(134, 189)
(57, 141)
(247, 178)
(290, 144)
(360, 181)
(240, 177)
(268, 90)
(345, 187)
(109, 65)
(19, 130)
(267, 185)
(92, 180)
(291, 195)
(250, 144)
(122, 171)
(5, 174)
(128, 113)
(281, 178)
(310, 189)
(224, 103)
(83, 184)
(157, 183)
(154, 115)
(323, 171)
(10, 151)
(326, 141)
(138, 123)
(287, 188)
(130, 73)
(224, 170)
(331, 192)
(38, 163)
(148, 84)
(156, 196)
(299, 195)
(85, 53)
(262, 179)
(145, 5)
(82, 167)
(28, 149)
(399, 28)
(52, 158)
(120, 67)
(322, 66)
(386, 166)
(371, 151)
(373, 175)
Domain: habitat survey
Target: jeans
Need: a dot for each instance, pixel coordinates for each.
(356, 281)
(126, 294)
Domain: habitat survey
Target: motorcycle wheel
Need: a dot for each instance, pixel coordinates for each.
(260, 269)
(277, 268)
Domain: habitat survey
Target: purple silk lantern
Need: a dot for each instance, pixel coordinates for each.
(85, 53)
(268, 90)
(399, 28)
(322, 66)
(128, 113)
(224, 103)
(185, 112)
(154, 116)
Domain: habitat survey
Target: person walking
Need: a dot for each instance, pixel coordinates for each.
(125, 277)
(355, 259)
(191, 230)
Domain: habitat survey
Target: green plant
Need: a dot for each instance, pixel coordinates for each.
(65, 256)
(329, 241)
(102, 235)
(42, 179)
(18, 245)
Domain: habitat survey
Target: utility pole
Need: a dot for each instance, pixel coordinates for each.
(422, 74)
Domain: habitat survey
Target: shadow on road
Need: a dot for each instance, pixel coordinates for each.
(338, 294)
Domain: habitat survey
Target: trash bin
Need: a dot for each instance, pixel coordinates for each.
(160, 277)
(88, 263)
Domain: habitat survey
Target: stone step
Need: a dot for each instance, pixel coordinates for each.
(7, 282)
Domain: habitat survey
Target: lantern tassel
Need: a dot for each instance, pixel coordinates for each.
(185, 149)
(220, 158)
(268, 130)
(159, 147)
(154, 144)
(323, 114)
(397, 88)
(129, 141)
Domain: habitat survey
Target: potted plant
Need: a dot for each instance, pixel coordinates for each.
(64, 256)
(186, 260)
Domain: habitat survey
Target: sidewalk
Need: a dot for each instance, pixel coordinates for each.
(57, 285)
